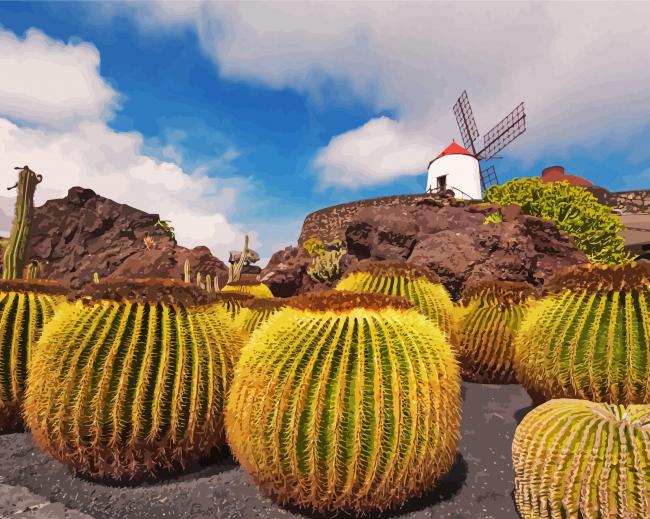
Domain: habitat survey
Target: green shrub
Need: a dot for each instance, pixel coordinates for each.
(495, 217)
(327, 259)
(573, 209)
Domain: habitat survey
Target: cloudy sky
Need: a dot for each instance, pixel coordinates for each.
(242, 118)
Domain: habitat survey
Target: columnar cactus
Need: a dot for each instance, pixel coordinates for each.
(588, 337)
(575, 458)
(208, 282)
(345, 402)
(25, 306)
(251, 288)
(14, 255)
(492, 315)
(395, 278)
(186, 271)
(132, 379)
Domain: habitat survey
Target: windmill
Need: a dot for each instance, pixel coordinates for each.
(511, 127)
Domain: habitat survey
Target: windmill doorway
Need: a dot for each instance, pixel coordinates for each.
(442, 183)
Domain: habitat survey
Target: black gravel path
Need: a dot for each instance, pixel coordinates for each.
(479, 485)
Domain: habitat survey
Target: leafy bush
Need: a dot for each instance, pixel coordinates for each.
(495, 217)
(573, 209)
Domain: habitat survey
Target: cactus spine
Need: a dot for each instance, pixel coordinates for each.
(574, 458)
(256, 312)
(345, 403)
(588, 337)
(14, 256)
(23, 312)
(492, 316)
(186, 271)
(396, 278)
(120, 389)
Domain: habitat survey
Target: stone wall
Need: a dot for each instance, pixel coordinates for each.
(624, 202)
(327, 224)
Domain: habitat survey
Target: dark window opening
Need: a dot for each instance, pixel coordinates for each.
(442, 183)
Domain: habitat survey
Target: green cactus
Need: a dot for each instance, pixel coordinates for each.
(256, 311)
(25, 306)
(345, 402)
(132, 379)
(33, 270)
(14, 255)
(396, 278)
(492, 316)
(186, 271)
(580, 459)
(588, 337)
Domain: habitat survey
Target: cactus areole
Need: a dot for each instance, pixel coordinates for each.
(589, 337)
(581, 459)
(131, 380)
(14, 260)
(345, 402)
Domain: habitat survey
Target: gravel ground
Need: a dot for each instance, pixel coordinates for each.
(479, 486)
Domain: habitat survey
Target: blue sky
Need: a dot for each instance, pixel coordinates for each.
(233, 118)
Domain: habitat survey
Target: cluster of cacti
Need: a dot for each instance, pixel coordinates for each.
(492, 315)
(211, 284)
(574, 458)
(25, 307)
(124, 386)
(396, 278)
(14, 259)
(588, 337)
(327, 259)
(345, 402)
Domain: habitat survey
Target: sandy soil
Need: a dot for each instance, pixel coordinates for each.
(479, 486)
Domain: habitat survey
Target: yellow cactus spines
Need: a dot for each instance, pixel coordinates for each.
(575, 458)
(345, 402)
(395, 278)
(252, 288)
(25, 306)
(256, 311)
(231, 302)
(588, 337)
(131, 379)
(493, 313)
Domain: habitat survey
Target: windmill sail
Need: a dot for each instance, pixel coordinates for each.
(488, 178)
(511, 127)
(466, 122)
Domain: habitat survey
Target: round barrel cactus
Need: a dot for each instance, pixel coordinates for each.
(131, 379)
(575, 458)
(251, 288)
(256, 311)
(396, 278)
(345, 402)
(588, 337)
(493, 312)
(25, 306)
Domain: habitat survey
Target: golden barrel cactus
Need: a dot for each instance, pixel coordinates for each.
(131, 379)
(251, 288)
(396, 278)
(25, 306)
(589, 337)
(256, 311)
(575, 458)
(492, 314)
(345, 402)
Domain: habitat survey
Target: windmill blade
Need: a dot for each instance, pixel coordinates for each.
(511, 127)
(488, 178)
(466, 122)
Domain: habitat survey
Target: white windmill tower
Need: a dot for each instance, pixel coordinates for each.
(458, 168)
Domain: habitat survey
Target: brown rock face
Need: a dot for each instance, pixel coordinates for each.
(451, 241)
(83, 233)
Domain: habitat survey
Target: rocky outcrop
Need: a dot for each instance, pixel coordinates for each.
(453, 242)
(82, 233)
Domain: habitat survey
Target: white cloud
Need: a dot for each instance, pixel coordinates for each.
(49, 82)
(581, 69)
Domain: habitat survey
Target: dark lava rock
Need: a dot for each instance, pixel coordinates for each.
(83, 233)
(451, 241)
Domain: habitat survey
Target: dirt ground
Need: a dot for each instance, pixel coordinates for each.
(479, 486)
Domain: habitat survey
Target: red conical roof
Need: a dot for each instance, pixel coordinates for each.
(454, 149)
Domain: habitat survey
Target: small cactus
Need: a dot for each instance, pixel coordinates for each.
(345, 402)
(95, 277)
(186, 271)
(575, 458)
(588, 337)
(208, 282)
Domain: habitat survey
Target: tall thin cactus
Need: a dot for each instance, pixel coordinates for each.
(234, 271)
(14, 255)
(208, 283)
(186, 271)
